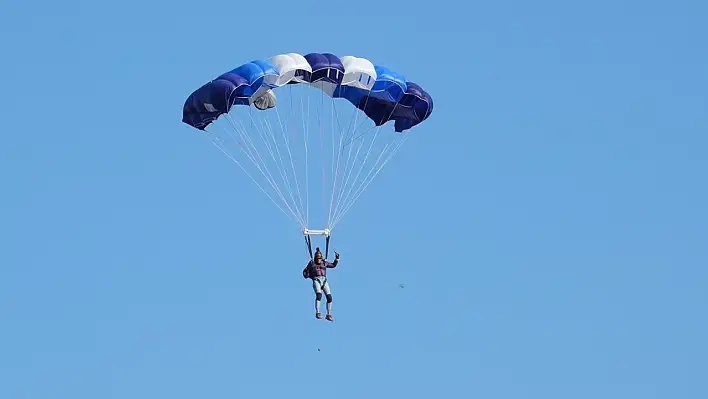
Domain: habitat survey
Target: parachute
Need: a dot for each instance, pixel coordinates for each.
(313, 117)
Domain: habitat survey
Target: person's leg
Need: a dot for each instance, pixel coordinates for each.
(328, 294)
(317, 286)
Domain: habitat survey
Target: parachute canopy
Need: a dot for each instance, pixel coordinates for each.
(368, 91)
(380, 92)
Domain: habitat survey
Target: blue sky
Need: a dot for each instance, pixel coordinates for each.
(548, 220)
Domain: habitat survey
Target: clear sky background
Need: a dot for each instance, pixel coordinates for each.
(548, 221)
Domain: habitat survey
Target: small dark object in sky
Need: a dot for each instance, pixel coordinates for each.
(401, 285)
(318, 349)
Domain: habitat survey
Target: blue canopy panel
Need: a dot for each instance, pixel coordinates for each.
(390, 86)
(211, 100)
(414, 107)
(326, 67)
(260, 76)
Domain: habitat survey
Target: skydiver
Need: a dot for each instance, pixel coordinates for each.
(317, 271)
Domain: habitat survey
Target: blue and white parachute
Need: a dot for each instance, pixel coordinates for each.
(287, 119)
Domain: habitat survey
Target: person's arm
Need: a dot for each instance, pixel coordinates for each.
(306, 270)
(332, 265)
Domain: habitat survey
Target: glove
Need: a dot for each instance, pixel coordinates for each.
(336, 255)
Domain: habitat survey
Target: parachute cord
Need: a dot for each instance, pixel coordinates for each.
(356, 117)
(363, 121)
(348, 175)
(292, 164)
(335, 170)
(281, 168)
(351, 203)
(306, 135)
(360, 183)
(230, 156)
(368, 153)
(380, 125)
(268, 176)
(335, 178)
(253, 150)
(252, 179)
(267, 128)
(290, 155)
(346, 186)
(331, 169)
(249, 148)
(366, 181)
(333, 138)
(345, 180)
(321, 154)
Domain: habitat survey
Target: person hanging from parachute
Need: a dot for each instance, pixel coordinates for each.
(240, 110)
(316, 270)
